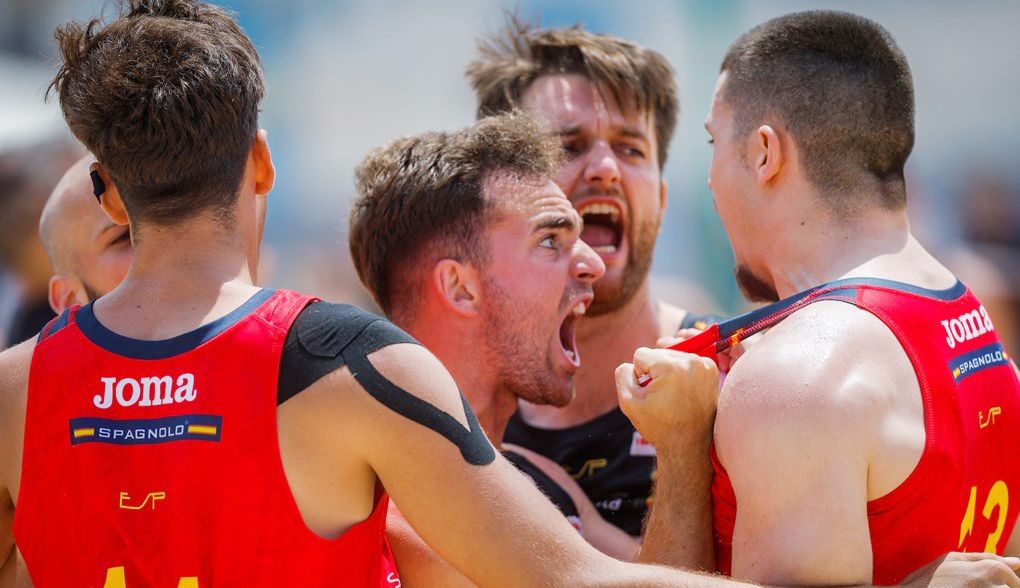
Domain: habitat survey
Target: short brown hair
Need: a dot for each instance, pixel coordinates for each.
(422, 199)
(841, 86)
(632, 74)
(167, 98)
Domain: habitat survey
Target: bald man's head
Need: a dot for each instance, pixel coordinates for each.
(89, 253)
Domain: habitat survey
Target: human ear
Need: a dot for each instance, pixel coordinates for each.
(265, 171)
(110, 200)
(458, 286)
(64, 292)
(770, 156)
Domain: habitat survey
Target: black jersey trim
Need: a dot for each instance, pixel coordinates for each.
(846, 288)
(54, 325)
(553, 491)
(165, 348)
(694, 320)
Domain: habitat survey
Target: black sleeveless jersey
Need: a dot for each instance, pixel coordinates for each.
(548, 486)
(607, 456)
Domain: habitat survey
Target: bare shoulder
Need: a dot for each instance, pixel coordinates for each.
(15, 364)
(829, 366)
(14, 369)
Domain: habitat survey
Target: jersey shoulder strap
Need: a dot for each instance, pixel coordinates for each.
(54, 325)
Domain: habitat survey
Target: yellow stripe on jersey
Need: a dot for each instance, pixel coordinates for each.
(78, 433)
(202, 429)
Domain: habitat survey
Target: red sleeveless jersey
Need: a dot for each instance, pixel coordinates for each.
(958, 496)
(157, 463)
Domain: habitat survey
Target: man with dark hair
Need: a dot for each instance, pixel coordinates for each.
(876, 422)
(190, 428)
(90, 253)
(465, 243)
(614, 106)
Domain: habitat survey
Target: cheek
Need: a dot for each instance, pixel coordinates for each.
(642, 188)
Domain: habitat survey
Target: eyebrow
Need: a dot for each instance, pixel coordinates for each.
(568, 130)
(555, 222)
(633, 132)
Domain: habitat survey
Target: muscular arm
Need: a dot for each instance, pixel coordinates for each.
(418, 565)
(675, 413)
(488, 520)
(605, 537)
(678, 530)
(14, 365)
(796, 431)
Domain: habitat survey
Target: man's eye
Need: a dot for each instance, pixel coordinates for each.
(633, 151)
(548, 242)
(571, 148)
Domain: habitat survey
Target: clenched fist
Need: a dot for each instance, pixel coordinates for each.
(677, 407)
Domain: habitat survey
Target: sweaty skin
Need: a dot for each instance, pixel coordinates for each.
(826, 405)
(471, 441)
(336, 440)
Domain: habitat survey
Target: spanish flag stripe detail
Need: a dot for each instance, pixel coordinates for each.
(84, 432)
(202, 429)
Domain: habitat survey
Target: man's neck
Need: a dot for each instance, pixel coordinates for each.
(180, 278)
(872, 244)
(604, 342)
(492, 404)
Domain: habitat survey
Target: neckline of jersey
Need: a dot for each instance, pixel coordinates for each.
(951, 293)
(132, 348)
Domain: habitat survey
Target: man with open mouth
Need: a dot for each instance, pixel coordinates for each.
(481, 261)
(614, 106)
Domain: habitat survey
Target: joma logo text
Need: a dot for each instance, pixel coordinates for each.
(967, 326)
(153, 391)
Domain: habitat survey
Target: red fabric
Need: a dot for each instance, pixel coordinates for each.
(93, 513)
(957, 498)
(702, 344)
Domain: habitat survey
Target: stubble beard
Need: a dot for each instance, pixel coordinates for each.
(610, 297)
(525, 369)
(754, 288)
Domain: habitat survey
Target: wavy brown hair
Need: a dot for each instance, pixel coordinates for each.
(633, 75)
(422, 199)
(167, 98)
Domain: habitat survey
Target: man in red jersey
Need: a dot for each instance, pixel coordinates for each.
(190, 428)
(877, 425)
(90, 253)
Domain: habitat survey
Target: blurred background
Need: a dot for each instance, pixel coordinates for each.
(346, 76)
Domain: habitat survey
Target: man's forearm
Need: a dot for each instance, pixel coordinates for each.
(678, 530)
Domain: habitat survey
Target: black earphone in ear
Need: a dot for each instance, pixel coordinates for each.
(98, 185)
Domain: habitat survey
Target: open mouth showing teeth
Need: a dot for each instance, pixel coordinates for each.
(603, 226)
(568, 331)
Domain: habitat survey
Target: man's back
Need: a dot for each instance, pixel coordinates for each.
(170, 466)
(861, 414)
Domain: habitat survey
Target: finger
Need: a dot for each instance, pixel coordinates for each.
(1012, 562)
(626, 380)
(1011, 578)
(644, 358)
(626, 385)
(665, 342)
(687, 333)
